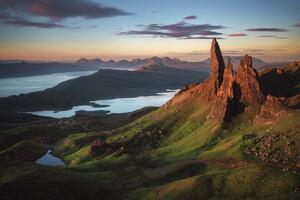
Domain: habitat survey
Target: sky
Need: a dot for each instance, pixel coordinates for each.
(126, 29)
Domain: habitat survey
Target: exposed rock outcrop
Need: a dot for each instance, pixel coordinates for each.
(236, 91)
(247, 78)
(227, 94)
(217, 65)
(271, 110)
(221, 103)
(277, 148)
(226, 88)
(99, 147)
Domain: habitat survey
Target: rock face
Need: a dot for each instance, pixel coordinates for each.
(217, 65)
(247, 78)
(226, 94)
(236, 91)
(210, 87)
(226, 88)
(271, 110)
(221, 104)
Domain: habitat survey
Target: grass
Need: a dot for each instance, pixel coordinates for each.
(256, 181)
(36, 182)
(24, 150)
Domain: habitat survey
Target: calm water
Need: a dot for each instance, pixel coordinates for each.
(50, 160)
(16, 86)
(118, 105)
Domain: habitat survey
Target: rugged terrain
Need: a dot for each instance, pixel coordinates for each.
(234, 136)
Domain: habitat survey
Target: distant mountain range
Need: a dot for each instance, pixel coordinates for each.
(19, 68)
(137, 63)
(23, 69)
(174, 63)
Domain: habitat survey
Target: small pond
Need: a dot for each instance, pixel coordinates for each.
(50, 160)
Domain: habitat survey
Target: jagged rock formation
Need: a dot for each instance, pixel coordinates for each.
(271, 110)
(221, 104)
(236, 90)
(213, 84)
(247, 78)
(217, 65)
(227, 94)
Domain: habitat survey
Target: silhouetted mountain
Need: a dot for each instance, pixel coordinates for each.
(22, 69)
(137, 63)
(96, 61)
(258, 64)
(176, 63)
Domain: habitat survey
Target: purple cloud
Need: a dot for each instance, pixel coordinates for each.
(267, 29)
(267, 36)
(203, 38)
(237, 35)
(252, 51)
(280, 38)
(16, 21)
(190, 17)
(58, 9)
(25, 23)
(272, 36)
(297, 25)
(181, 30)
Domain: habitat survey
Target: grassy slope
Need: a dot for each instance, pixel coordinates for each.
(186, 137)
(227, 164)
(220, 154)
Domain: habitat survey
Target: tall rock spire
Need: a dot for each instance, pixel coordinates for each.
(222, 104)
(247, 78)
(225, 92)
(217, 65)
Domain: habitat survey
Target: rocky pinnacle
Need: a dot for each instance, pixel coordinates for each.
(217, 65)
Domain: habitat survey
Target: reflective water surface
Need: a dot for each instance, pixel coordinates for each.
(24, 85)
(50, 160)
(118, 105)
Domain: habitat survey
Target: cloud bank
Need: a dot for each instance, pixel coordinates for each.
(181, 30)
(29, 12)
(190, 17)
(267, 30)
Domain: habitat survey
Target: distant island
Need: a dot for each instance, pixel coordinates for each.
(147, 80)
